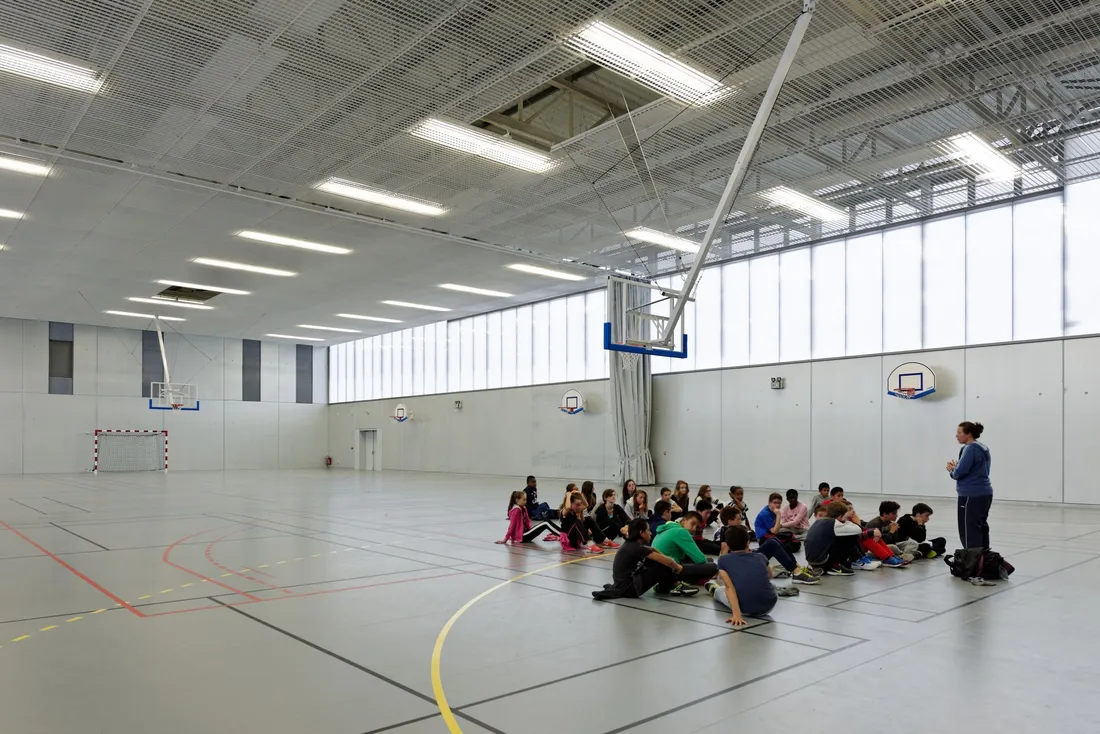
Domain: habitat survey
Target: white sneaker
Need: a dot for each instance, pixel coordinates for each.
(864, 565)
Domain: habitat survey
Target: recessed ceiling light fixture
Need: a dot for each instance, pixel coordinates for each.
(646, 65)
(144, 315)
(23, 165)
(368, 318)
(274, 239)
(477, 291)
(421, 306)
(329, 328)
(645, 234)
(195, 286)
(981, 154)
(171, 302)
(241, 266)
(44, 69)
(546, 272)
(486, 145)
(791, 199)
(296, 338)
(10, 214)
(352, 190)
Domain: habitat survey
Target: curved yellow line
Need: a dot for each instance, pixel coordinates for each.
(437, 652)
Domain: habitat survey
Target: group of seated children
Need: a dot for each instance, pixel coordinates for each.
(666, 548)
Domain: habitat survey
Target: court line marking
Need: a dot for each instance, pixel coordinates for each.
(437, 651)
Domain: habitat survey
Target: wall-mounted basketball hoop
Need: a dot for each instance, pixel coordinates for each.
(910, 381)
(401, 413)
(572, 403)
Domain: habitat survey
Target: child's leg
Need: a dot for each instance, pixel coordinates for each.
(908, 546)
(694, 573)
(594, 530)
(772, 548)
(877, 548)
(576, 537)
(536, 530)
(709, 547)
(939, 545)
(845, 550)
(654, 574)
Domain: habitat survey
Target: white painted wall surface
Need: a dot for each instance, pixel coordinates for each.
(42, 433)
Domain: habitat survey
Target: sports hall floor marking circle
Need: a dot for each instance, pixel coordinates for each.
(437, 651)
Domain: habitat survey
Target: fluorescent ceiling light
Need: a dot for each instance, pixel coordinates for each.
(24, 165)
(646, 65)
(471, 289)
(10, 214)
(981, 154)
(547, 272)
(274, 239)
(144, 315)
(368, 318)
(645, 234)
(171, 302)
(352, 190)
(215, 288)
(422, 307)
(782, 196)
(296, 338)
(44, 69)
(240, 266)
(486, 145)
(329, 328)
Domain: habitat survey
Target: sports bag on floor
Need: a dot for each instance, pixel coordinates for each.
(970, 563)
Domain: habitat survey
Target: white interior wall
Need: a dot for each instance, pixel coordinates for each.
(43, 433)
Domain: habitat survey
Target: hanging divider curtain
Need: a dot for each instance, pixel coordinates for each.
(631, 399)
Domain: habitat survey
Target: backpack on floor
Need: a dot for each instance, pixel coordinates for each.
(970, 563)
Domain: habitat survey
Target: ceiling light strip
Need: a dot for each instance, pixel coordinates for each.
(546, 272)
(214, 263)
(483, 144)
(45, 69)
(791, 199)
(645, 234)
(352, 190)
(275, 239)
(170, 302)
(421, 306)
(144, 315)
(195, 286)
(475, 291)
(368, 318)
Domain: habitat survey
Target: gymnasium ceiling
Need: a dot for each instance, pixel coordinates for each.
(217, 116)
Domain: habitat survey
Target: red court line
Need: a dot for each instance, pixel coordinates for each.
(210, 557)
(311, 593)
(196, 574)
(78, 574)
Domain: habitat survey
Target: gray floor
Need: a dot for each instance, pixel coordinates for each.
(338, 585)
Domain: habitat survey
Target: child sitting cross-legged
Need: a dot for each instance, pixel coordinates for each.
(834, 543)
(610, 517)
(674, 540)
(638, 568)
(770, 548)
(913, 527)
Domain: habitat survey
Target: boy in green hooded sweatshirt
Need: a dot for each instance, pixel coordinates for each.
(674, 539)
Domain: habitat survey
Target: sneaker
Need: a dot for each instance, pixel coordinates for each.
(894, 562)
(839, 570)
(976, 581)
(782, 591)
(908, 557)
(550, 536)
(595, 549)
(931, 554)
(682, 589)
(610, 544)
(710, 586)
(802, 576)
(781, 574)
(865, 565)
(817, 571)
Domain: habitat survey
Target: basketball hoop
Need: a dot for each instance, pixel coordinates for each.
(177, 406)
(905, 393)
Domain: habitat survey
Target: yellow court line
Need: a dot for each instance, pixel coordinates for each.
(437, 652)
(47, 629)
(74, 619)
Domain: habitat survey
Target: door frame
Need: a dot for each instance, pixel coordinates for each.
(359, 441)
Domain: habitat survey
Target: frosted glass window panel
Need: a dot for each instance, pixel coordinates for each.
(705, 338)
(492, 349)
(595, 306)
(559, 339)
(1082, 266)
(901, 289)
(540, 343)
(337, 373)
(387, 365)
(575, 336)
(397, 363)
(481, 346)
(376, 367)
(429, 359)
(466, 351)
(764, 309)
(944, 295)
(660, 307)
(863, 294)
(417, 360)
(735, 314)
(333, 380)
(407, 362)
(442, 355)
(454, 357)
(508, 348)
(1037, 269)
(989, 275)
(827, 300)
(794, 305)
(355, 390)
(525, 355)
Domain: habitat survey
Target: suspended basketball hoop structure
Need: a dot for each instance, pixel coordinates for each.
(637, 323)
(170, 395)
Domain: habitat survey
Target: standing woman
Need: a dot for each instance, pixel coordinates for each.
(971, 475)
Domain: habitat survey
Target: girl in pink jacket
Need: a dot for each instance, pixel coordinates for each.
(520, 529)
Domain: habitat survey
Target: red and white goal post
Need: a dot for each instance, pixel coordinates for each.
(130, 450)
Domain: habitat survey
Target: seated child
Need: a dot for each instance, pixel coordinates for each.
(770, 548)
(681, 495)
(874, 545)
(662, 513)
(704, 495)
(610, 518)
(794, 515)
(912, 527)
(638, 505)
(707, 512)
(834, 543)
(666, 495)
(675, 541)
(638, 567)
(767, 520)
(520, 529)
(887, 524)
(821, 497)
(579, 532)
(737, 499)
(746, 587)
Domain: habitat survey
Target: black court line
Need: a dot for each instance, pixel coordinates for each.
(599, 669)
(51, 499)
(40, 512)
(70, 532)
(400, 724)
(352, 663)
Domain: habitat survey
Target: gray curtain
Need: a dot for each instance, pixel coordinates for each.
(631, 398)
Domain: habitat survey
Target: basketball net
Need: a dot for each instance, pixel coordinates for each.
(906, 393)
(628, 360)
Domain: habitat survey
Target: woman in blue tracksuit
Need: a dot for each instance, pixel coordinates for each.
(971, 475)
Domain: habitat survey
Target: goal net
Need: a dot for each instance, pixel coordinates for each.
(130, 451)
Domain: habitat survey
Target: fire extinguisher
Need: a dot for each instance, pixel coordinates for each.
(328, 462)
